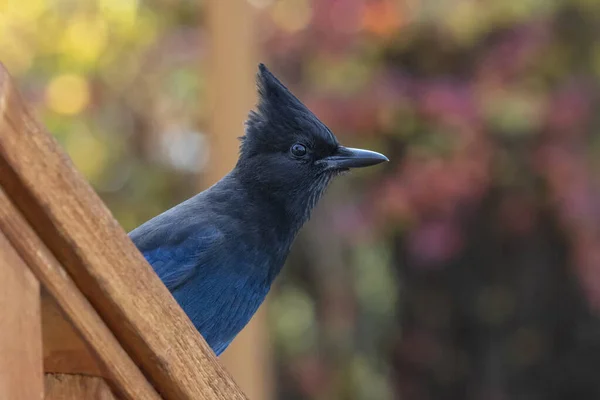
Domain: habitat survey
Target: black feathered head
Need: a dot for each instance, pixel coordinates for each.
(288, 153)
(281, 117)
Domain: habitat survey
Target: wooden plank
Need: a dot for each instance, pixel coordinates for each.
(101, 259)
(233, 63)
(64, 350)
(76, 387)
(124, 375)
(21, 375)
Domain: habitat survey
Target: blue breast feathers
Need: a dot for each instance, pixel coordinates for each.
(219, 283)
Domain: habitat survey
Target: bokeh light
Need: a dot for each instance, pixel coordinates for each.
(68, 94)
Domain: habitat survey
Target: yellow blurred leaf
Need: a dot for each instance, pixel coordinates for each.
(88, 152)
(84, 38)
(23, 9)
(467, 21)
(68, 94)
(123, 13)
(14, 54)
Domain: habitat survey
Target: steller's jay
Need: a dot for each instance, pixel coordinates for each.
(219, 251)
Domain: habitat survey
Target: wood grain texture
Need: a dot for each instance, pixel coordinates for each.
(101, 259)
(76, 387)
(21, 375)
(64, 351)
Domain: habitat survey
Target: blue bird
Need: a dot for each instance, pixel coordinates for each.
(219, 251)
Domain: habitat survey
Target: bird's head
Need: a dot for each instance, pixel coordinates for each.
(288, 152)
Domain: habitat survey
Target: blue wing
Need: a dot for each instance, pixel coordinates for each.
(176, 252)
(207, 271)
(173, 265)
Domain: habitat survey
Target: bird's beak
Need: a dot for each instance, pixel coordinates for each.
(346, 157)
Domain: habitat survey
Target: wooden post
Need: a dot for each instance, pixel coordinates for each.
(21, 372)
(233, 63)
(115, 295)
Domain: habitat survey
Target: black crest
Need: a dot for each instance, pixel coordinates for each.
(274, 95)
(279, 116)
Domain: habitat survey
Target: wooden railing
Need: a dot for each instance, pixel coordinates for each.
(78, 302)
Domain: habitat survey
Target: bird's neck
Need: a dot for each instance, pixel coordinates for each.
(281, 210)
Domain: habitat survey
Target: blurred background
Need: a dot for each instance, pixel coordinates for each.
(466, 268)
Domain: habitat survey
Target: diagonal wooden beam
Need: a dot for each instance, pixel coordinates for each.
(104, 264)
(121, 371)
(66, 352)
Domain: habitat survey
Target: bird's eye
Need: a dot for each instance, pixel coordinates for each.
(298, 150)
